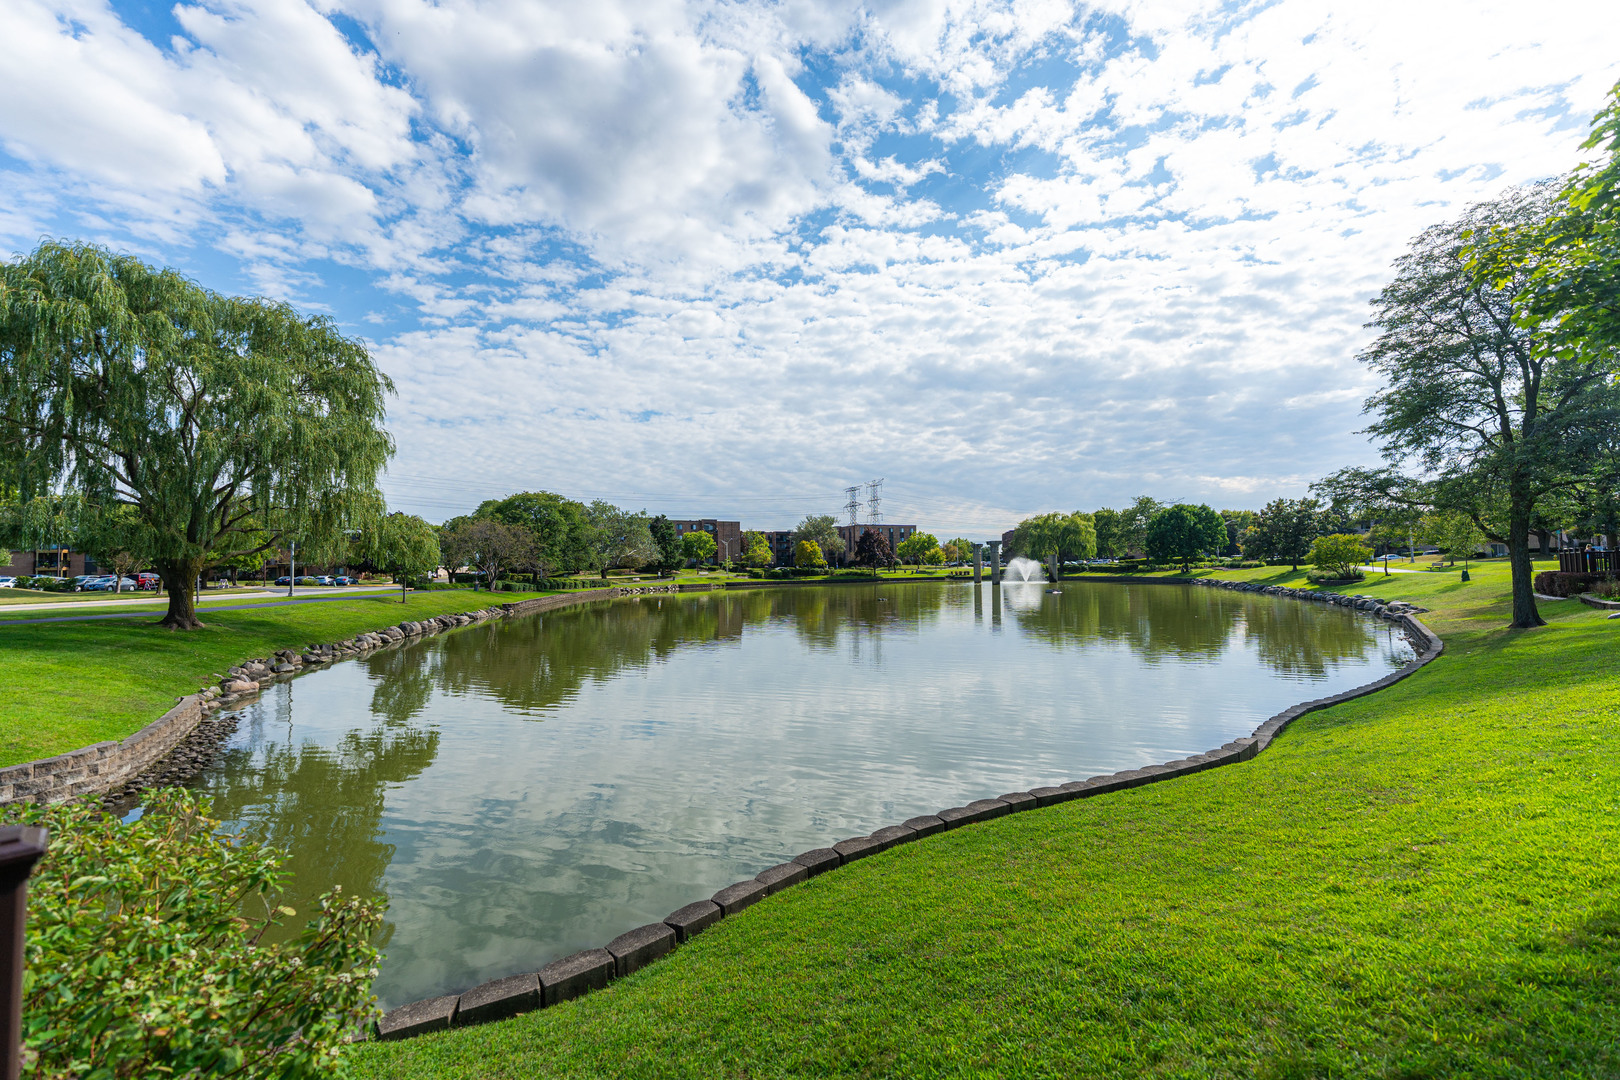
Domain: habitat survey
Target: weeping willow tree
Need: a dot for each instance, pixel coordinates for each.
(228, 426)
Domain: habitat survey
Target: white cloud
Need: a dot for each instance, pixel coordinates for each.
(1009, 255)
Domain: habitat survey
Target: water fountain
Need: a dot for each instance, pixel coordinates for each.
(1024, 571)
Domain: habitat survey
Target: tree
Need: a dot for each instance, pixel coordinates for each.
(1340, 554)
(807, 556)
(1499, 383)
(1284, 530)
(616, 537)
(407, 547)
(914, 548)
(1131, 532)
(1071, 537)
(557, 525)
(1181, 533)
(226, 424)
(116, 538)
(756, 550)
(934, 556)
(1454, 533)
(1238, 522)
(822, 531)
(958, 550)
(1106, 522)
(872, 549)
(485, 544)
(666, 544)
(698, 546)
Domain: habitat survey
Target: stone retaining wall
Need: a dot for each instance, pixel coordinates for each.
(107, 766)
(592, 969)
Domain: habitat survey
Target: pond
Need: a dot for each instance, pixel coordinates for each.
(523, 789)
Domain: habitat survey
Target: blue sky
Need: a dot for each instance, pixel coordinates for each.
(729, 258)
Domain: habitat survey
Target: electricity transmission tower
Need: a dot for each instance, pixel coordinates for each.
(853, 506)
(874, 501)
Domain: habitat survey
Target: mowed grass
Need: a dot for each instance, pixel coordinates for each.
(1418, 884)
(67, 685)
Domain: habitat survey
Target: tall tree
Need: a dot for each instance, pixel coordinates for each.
(487, 545)
(914, 548)
(616, 536)
(1131, 535)
(407, 547)
(756, 550)
(872, 549)
(1106, 522)
(698, 546)
(228, 425)
(1183, 532)
(1284, 529)
(666, 544)
(557, 525)
(1486, 395)
(822, 531)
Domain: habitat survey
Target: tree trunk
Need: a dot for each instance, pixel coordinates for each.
(1525, 614)
(1543, 542)
(180, 578)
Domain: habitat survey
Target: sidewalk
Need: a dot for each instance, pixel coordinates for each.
(162, 599)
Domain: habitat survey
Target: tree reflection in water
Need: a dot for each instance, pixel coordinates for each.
(529, 787)
(1187, 623)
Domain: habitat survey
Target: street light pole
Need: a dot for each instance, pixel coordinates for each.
(292, 565)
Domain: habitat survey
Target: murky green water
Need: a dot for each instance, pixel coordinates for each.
(525, 789)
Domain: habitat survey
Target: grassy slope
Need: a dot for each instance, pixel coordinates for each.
(67, 685)
(1422, 883)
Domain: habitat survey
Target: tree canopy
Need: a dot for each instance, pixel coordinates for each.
(698, 546)
(756, 550)
(1500, 382)
(1284, 529)
(872, 549)
(807, 556)
(822, 531)
(558, 527)
(667, 554)
(915, 548)
(228, 425)
(1183, 532)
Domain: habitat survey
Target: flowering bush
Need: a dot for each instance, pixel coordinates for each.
(144, 957)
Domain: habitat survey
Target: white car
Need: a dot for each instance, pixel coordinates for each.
(8, 583)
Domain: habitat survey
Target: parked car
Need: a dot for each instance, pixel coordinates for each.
(8, 583)
(148, 580)
(342, 580)
(88, 582)
(108, 584)
(323, 579)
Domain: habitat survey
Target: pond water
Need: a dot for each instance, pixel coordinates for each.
(524, 789)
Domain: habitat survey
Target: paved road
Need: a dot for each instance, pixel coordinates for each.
(200, 609)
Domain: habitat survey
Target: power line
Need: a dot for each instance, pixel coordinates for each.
(853, 506)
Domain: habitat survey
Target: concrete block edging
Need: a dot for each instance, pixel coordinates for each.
(441, 1013)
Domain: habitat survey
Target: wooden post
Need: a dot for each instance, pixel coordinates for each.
(21, 846)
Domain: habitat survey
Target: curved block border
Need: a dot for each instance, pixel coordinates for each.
(594, 968)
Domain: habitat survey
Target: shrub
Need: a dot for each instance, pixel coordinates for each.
(141, 961)
(1558, 583)
(1608, 588)
(1332, 577)
(1338, 555)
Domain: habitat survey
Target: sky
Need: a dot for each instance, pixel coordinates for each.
(727, 259)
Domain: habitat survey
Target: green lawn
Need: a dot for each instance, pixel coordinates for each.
(1424, 883)
(67, 685)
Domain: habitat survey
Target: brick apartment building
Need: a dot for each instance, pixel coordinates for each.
(57, 562)
(727, 535)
